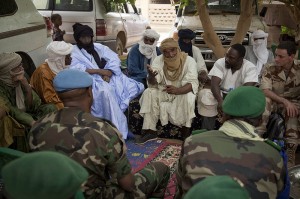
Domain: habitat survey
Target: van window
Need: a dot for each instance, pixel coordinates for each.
(213, 6)
(8, 7)
(74, 5)
(64, 5)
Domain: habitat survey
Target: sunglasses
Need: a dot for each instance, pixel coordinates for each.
(147, 40)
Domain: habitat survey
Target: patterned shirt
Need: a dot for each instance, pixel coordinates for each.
(94, 143)
(274, 79)
(257, 164)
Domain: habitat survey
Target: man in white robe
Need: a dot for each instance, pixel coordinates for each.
(112, 90)
(172, 90)
(259, 54)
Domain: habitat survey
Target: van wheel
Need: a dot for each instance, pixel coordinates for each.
(119, 47)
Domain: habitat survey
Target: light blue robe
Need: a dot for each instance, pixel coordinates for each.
(110, 99)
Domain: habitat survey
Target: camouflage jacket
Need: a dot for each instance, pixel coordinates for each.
(94, 143)
(274, 79)
(257, 164)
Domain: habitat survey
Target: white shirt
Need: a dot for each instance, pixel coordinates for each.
(229, 81)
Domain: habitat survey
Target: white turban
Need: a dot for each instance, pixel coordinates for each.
(151, 34)
(57, 51)
(260, 48)
(149, 50)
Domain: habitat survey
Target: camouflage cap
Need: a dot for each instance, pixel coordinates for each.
(244, 101)
(46, 175)
(215, 187)
(70, 79)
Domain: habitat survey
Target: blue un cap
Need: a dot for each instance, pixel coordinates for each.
(70, 79)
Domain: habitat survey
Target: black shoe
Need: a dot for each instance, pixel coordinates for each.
(145, 138)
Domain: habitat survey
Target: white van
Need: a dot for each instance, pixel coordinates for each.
(23, 30)
(117, 27)
(224, 15)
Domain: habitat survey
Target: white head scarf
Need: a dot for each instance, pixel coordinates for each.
(260, 49)
(57, 51)
(149, 50)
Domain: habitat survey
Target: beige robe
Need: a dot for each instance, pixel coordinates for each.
(156, 104)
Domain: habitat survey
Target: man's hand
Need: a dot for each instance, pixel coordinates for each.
(219, 108)
(151, 72)
(171, 89)
(291, 108)
(106, 78)
(19, 77)
(203, 77)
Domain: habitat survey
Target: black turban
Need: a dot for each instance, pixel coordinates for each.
(186, 34)
(82, 30)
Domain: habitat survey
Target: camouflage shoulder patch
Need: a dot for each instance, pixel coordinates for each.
(273, 144)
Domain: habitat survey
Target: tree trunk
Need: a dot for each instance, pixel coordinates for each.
(244, 21)
(210, 37)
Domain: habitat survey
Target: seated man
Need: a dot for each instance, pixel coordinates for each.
(231, 72)
(59, 58)
(281, 84)
(141, 54)
(95, 143)
(23, 103)
(235, 149)
(45, 174)
(112, 89)
(259, 54)
(171, 95)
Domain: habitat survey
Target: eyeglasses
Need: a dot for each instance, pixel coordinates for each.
(149, 40)
(262, 38)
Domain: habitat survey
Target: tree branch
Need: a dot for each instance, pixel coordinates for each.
(210, 37)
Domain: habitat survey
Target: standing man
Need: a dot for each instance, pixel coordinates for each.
(142, 54)
(231, 72)
(94, 143)
(259, 54)
(59, 58)
(112, 90)
(185, 40)
(172, 90)
(281, 83)
(234, 150)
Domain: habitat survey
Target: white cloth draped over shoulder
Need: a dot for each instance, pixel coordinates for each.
(157, 104)
(110, 99)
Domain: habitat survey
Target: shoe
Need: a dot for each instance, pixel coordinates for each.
(145, 138)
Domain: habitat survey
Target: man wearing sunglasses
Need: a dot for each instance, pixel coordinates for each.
(259, 54)
(141, 54)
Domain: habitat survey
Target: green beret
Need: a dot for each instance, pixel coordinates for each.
(244, 101)
(44, 175)
(216, 187)
(70, 79)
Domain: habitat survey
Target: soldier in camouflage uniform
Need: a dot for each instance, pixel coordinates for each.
(281, 85)
(235, 149)
(95, 143)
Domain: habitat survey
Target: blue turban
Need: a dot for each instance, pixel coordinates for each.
(70, 79)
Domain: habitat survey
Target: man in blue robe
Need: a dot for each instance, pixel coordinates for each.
(143, 54)
(112, 90)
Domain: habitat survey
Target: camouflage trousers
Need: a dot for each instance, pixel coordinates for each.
(292, 134)
(150, 182)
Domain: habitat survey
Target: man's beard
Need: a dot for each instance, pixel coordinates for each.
(88, 47)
